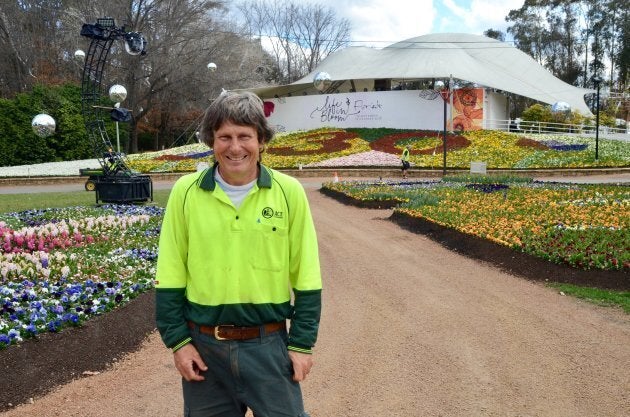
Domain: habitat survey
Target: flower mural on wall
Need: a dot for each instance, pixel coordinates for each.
(468, 109)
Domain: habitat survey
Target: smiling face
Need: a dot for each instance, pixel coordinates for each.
(237, 150)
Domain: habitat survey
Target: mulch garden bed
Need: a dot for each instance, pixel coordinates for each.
(39, 365)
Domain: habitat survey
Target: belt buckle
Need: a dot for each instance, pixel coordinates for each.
(218, 328)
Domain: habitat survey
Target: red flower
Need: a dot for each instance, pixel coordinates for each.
(269, 108)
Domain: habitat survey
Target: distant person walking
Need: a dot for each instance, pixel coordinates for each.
(404, 158)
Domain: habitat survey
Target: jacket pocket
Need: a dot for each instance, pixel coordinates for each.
(271, 248)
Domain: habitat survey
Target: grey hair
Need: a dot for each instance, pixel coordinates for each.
(243, 109)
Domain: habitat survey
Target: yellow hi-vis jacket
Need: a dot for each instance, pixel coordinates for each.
(221, 265)
(405, 155)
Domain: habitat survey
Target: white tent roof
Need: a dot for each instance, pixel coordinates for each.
(478, 59)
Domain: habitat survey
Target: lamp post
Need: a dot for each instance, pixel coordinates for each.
(117, 93)
(445, 93)
(598, 81)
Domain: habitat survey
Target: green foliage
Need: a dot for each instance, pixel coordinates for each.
(370, 135)
(384, 196)
(537, 113)
(423, 198)
(543, 114)
(8, 132)
(21, 146)
(585, 248)
(597, 296)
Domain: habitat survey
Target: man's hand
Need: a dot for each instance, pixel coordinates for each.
(302, 364)
(189, 363)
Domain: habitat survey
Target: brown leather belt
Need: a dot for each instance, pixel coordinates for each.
(229, 332)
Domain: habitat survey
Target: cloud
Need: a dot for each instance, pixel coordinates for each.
(477, 17)
(379, 23)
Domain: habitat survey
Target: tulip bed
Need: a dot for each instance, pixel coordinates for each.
(498, 149)
(59, 267)
(584, 226)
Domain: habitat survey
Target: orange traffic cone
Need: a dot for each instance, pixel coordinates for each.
(335, 177)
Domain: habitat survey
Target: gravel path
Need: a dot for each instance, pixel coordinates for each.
(409, 328)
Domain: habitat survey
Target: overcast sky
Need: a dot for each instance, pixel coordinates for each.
(379, 23)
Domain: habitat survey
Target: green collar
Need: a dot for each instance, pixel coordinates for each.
(207, 182)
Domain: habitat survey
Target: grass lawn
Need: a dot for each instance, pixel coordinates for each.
(20, 202)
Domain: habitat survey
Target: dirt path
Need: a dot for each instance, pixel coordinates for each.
(409, 329)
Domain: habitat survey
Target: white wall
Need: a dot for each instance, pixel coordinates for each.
(394, 109)
(495, 110)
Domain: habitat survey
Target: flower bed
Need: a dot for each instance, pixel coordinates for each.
(583, 226)
(560, 146)
(327, 147)
(59, 267)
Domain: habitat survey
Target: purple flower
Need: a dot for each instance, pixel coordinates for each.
(72, 318)
(54, 325)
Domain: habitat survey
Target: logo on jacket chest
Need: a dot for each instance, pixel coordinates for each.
(268, 213)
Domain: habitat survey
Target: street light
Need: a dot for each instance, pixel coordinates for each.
(445, 93)
(117, 93)
(598, 81)
(79, 55)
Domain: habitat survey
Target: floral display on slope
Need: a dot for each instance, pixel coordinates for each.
(331, 147)
(327, 147)
(394, 143)
(369, 158)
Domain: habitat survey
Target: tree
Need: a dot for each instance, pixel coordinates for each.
(495, 34)
(21, 146)
(622, 57)
(574, 38)
(299, 35)
(36, 44)
(39, 38)
(318, 34)
(526, 29)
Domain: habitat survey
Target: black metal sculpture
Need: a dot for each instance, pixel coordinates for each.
(114, 182)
